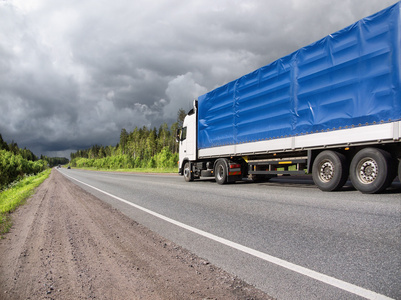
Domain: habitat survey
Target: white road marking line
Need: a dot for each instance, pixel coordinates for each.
(349, 287)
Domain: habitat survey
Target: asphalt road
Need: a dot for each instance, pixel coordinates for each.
(286, 237)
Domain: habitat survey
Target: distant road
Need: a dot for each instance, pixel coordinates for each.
(286, 237)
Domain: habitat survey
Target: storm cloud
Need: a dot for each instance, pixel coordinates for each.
(74, 73)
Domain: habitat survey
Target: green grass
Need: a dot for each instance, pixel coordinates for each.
(16, 195)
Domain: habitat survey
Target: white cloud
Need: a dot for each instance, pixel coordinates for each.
(181, 91)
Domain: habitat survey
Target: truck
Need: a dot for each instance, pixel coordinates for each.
(331, 109)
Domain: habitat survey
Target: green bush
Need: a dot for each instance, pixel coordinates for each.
(138, 163)
(165, 159)
(152, 163)
(162, 160)
(13, 167)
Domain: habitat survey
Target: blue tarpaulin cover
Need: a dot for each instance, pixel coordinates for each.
(349, 78)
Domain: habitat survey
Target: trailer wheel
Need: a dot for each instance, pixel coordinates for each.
(330, 170)
(221, 171)
(371, 170)
(188, 175)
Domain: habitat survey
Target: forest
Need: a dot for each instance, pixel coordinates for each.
(15, 163)
(140, 148)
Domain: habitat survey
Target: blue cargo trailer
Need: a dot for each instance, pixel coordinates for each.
(332, 108)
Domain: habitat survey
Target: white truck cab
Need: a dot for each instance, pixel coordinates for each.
(187, 139)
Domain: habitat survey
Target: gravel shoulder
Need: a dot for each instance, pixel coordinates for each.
(67, 244)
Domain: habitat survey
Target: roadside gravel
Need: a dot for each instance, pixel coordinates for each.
(67, 244)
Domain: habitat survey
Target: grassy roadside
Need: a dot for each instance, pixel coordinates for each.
(16, 195)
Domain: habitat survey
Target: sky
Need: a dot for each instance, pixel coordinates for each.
(73, 73)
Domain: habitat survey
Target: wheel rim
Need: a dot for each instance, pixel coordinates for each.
(367, 170)
(187, 172)
(220, 172)
(326, 171)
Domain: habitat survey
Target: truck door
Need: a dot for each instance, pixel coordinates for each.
(183, 144)
(188, 141)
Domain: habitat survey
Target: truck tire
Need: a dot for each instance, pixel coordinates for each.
(330, 170)
(221, 171)
(188, 175)
(371, 170)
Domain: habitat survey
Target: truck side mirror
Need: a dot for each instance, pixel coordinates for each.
(177, 135)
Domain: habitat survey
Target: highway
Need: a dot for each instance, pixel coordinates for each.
(285, 236)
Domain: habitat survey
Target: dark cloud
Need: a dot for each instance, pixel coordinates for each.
(73, 73)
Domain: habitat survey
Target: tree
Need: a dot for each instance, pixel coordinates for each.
(13, 147)
(151, 144)
(3, 144)
(163, 136)
(180, 117)
(28, 154)
(173, 144)
(101, 153)
(123, 140)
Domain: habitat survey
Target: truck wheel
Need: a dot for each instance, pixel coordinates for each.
(188, 175)
(330, 170)
(371, 170)
(221, 171)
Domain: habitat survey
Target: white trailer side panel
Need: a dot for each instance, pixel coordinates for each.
(373, 134)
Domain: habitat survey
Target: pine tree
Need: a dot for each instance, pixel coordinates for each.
(3, 144)
(123, 140)
(180, 117)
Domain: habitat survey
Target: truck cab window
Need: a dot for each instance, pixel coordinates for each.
(184, 134)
